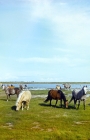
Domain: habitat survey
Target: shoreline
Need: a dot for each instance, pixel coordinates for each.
(22, 82)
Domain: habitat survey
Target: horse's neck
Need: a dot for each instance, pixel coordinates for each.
(5, 88)
(84, 91)
(63, 96)
(20, 97)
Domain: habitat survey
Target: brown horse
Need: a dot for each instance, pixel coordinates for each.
(11, 90)
(57, 95)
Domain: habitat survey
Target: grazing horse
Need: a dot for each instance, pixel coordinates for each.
(11, 90)
(67, 86)
(23, 100)
(79, 95)
(58, 87)
(57, 95)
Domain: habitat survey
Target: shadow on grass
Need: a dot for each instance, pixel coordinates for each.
(48, 105)
(71, 107)
(13, 108)
(3, 99)
(8, 100)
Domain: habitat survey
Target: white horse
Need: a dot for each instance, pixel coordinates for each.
(23, 100)
(58, 87)
(79, 95)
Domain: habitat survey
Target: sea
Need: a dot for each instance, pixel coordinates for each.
(41, 86)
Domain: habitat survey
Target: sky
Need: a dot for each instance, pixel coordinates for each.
(45, 40)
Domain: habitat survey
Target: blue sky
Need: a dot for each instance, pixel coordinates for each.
(45, 40)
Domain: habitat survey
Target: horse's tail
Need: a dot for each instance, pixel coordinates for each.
(48, 97)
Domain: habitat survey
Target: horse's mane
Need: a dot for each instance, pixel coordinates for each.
(19, 97)
(84, 90)
(62, 95)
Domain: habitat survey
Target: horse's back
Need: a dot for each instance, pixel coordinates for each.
(11, 87)
(26, 95)
(54, 94)
(77, 94)
(9, 91)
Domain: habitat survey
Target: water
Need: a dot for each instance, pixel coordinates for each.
(51, 86)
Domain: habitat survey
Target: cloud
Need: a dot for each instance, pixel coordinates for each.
(67, 22)
(8, 76)
(44, 60)
(65, 61)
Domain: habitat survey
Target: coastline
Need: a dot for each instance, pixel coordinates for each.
(22, 82)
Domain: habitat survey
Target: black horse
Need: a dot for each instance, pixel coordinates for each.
(79, 95)
(57, 95)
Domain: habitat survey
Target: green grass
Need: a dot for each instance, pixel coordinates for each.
(42, 121)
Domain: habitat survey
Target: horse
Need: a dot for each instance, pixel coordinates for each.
(57, 95)
(23, 100)
(58, 87)
(79, 95)
(11, 90)
(67, 86)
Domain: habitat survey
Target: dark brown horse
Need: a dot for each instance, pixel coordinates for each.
(57, 95)
(11, 90)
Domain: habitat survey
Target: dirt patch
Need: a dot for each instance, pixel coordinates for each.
(8, 125)
(39, 96)
(81, 122)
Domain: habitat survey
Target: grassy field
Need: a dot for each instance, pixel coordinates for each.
(42, 121)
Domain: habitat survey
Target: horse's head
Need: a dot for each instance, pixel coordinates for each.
(18, 106)
(3, 87)
(58, 87)
(20, 87)
(66, 104)
(85, 89)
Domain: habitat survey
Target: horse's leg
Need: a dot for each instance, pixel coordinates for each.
(56, 102)
(50, 101)
(61, 102)
(75, 101)
(78, 104)
(27, 105)
(71, 99)
(7, 97)
(22, 105)
(17, 95)
(84, 103)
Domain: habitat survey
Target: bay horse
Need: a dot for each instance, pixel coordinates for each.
(11, 90)
(56, 95)
(79, 95)
(23, 100)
